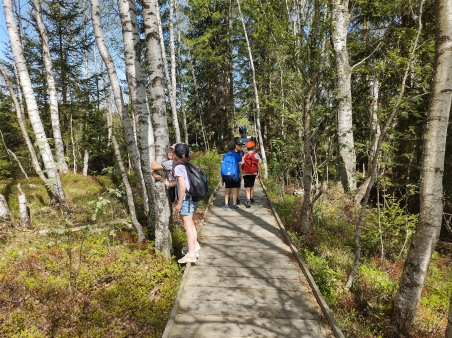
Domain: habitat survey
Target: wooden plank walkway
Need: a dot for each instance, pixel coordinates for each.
(247, 281)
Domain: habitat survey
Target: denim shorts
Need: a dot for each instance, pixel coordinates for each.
(188, 207)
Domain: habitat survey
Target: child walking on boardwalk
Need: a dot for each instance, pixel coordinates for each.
(185, 206)
(251, 169)
(232, 164)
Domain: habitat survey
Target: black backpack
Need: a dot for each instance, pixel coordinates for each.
(198, 182)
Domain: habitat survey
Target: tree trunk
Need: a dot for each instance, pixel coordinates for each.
(173, 73)
(129, 194)
(163, 241)
(6, 216)
(18, 162)
(24, 210)
(137, 92)
(181, 81)
(431, 187)
(344, 95)
(32, 106)
(256, 95)
(85, 162)
(54, 115)
(119, 101)
(307, 172)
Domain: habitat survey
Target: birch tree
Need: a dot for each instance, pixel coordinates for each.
(431, 186)
(137, 92)
(163, 242)
(256, 95)
(32, 106)
(54, 114)
(340, 17)
(119, 100)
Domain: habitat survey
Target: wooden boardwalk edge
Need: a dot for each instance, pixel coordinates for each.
(321, 301)
(325, 308)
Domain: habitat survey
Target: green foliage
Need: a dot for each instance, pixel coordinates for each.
(375, 289)
(394, 226)
(125, 283)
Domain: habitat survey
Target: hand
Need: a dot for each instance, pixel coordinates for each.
(178, 206)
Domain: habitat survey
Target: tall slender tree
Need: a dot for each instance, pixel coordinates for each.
(32, 106)
(54, 114)
(431, 188)
(163, 242)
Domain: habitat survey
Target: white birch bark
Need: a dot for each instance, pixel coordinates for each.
(119, 100)
(171, 84)
(74, 153)
(129, 194)
(163, 241)
(5, 214)
(256, 96)
(431, 186)
(23, 129)
(340, 16)
(18, 162)
(54, 114)
(85, 162)
(173, 73)
(32, 106)
(137, 92)
(24, 210)
(181, 80)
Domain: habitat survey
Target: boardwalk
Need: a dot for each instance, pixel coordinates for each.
(246, 282)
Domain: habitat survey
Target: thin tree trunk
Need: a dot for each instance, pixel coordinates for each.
(32, 106)
(169, 77)
(163, 240)
(74, 153)
(85, 162)
(181, 79)
(256, 95)
(340, 17)
(431, 186)
(307, 172)
(54, 115)
(129, 194)
(129, 134)
(24, 210)
(377, 152)
(173, 73)
(22, 125)
(137, 92)
(18, 162)
(5, 214)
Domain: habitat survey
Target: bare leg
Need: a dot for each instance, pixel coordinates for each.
(227, 193)
(248, 193)
(190, 230)
(235, 195)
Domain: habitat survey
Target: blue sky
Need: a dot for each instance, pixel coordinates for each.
(3, 32)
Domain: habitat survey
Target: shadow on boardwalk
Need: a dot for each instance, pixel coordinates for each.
(247, 282)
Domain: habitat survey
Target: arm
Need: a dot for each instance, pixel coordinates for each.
(155, 166)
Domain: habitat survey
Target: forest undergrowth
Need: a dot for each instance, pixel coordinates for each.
(328, 249)
(80, 272)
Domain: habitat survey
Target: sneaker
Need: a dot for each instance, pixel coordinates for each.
(185, 249)
(187, 259)
(225, 207)
(238, 202)
(248, 204)
(252, 200)
(235, 208)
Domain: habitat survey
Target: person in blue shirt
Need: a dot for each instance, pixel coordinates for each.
(233, 187)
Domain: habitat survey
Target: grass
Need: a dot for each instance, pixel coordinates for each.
(96, 282)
